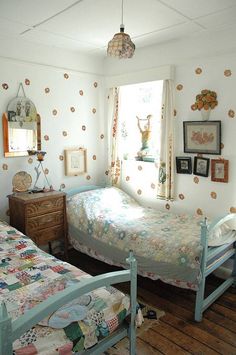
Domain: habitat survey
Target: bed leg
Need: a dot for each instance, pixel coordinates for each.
(199, 301)
(234, 268)
(133, 299)
(5, 331)
(201, 290)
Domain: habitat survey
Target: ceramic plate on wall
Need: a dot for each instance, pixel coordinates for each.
(21, 109)
(21, 181)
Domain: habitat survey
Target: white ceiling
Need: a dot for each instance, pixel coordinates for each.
(87, 25)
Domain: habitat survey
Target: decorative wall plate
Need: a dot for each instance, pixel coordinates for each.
(21, 181)
(21, 109)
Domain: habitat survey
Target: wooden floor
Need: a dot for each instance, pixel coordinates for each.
(177, 333)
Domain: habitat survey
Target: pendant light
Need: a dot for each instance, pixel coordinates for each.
(121, 45)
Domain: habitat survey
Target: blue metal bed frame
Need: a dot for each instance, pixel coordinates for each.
(207, 268)
(12, 330)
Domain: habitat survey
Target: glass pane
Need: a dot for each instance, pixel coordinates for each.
(137, 103)
(21, 139)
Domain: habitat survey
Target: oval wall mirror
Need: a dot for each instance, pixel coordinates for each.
(20, 135)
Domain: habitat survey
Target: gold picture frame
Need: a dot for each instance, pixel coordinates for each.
(75, 161)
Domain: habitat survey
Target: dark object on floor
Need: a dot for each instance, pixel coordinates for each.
(147, 313)
(150, 314)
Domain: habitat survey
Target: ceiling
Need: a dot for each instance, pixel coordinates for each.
(87, 25)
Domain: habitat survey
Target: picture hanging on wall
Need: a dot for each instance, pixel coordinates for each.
(201, 166)
(219, 170)
(203, 137)
(184, 165)
(75, 162)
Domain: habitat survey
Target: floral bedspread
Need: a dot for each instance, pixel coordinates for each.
(29, 276)
(168, 242)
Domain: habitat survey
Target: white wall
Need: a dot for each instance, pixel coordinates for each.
(50, 56)
(175, 52)
(198, 196)
(139, 179)
(45, 67)
(64, 94)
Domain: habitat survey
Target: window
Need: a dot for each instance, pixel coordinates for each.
(139, 120)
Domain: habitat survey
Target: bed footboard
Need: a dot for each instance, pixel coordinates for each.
(224, 254)
(12, 330)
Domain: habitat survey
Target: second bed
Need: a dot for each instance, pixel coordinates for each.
(181, 250)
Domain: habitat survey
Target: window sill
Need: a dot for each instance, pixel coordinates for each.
(133, 160)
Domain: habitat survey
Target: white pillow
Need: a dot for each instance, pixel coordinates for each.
(224, 234)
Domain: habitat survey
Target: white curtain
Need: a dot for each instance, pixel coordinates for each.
(113, 158)
(165, 165)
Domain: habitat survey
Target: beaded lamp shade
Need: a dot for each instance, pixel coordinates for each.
(121, 45)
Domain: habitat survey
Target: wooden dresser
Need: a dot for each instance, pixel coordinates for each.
(40, 216)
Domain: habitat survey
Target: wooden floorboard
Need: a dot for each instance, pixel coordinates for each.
(171, 327)
(162, 343)
(177, 332)
(220, 319)
(143, 348)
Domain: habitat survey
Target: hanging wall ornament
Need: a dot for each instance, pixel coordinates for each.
(21, 109)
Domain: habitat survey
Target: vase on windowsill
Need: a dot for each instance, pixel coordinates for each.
(205, 114)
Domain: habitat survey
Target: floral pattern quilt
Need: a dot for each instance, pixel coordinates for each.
(28, 276)
(115, 219)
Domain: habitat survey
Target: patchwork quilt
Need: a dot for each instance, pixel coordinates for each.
(108, 222)
(28, 276)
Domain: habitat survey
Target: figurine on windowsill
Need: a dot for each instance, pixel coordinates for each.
(145, 150)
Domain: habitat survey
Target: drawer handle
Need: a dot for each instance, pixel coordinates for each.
(47, 220)
(46, 204)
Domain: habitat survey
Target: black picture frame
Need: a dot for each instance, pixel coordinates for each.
(203, 137)
(183, 165)
(201, 166)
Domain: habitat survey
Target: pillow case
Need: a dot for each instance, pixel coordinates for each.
(224, 234)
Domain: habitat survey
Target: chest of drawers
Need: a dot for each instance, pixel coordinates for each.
(40, 216)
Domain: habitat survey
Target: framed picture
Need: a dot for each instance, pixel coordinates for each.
(201, 166)
(219, 170)
(184, 165)
(202, 137)
(75, 162)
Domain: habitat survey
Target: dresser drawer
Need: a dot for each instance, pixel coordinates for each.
(45, 206)
(46, 235)
(41, 216)
(44, 221)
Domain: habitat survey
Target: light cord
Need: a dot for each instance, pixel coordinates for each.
(122, 12)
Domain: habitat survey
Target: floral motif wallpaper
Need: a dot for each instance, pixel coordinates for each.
(195, 194)
(70, 105)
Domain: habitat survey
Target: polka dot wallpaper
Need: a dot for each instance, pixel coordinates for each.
(195, 194)
(70, 106)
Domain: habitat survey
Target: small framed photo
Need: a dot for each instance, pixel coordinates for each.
(75, 161)
(201, 166)
(203, 137)
(184, 165)
(219, 170)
